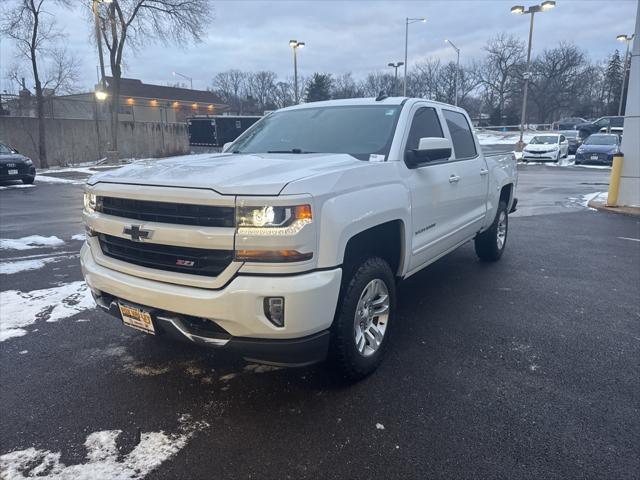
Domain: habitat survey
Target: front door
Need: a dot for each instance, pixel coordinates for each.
(433, 194)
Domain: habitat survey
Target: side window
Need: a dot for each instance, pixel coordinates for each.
(425, 123)
(461, 135)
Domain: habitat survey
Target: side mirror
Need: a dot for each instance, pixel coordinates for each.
(430, 149)
(226, 146)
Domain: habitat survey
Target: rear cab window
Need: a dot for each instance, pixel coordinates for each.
(464, 145)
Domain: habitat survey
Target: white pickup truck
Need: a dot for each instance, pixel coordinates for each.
(287, 247)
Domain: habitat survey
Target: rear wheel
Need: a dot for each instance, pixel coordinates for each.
(491, 243)
(360, 331)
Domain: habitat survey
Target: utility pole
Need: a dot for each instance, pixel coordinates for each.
(407, 22)
(457, 68)
(395, 75)
(532, 10)
(295, 45)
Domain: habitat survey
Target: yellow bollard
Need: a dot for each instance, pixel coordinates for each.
(614, 181)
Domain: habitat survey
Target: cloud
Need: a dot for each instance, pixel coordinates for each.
(343, 36)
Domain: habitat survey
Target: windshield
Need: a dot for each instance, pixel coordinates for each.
(544, 140)
(570, 133)
(4, 150)
(357, 130)
(601, 140)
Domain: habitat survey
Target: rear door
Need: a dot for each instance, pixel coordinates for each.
(471, 174)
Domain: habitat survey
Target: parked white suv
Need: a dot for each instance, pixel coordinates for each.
(288, 246)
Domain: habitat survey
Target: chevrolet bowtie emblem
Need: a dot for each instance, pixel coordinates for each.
(137, 233)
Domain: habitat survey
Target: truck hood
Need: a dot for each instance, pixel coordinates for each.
(541, 147)
(229, 174)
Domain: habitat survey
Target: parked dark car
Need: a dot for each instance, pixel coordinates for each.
(569, 123)
(598, 148)
(574, 140)
(215, 131)
(588, 128)
(14, 166)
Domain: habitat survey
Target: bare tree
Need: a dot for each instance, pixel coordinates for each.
(344, 86)
(134, 22)
(283, 94)
(501, 72)
(261, 86)
(231, 86)
(377, 82)
(558, 76)
(424, 80)
(34, 32)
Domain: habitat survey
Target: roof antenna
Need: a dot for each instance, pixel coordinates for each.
(381, 96)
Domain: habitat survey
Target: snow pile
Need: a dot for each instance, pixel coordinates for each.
(598, 197)
(103, 460)
(32, 241)
(46, 179)
(79, 236)
(21, 309)
(492, 137)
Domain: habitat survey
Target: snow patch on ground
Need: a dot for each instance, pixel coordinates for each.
(32, 241)
(258, 368)
(133, 366)
(379, 426)
(17, 185)
(21, 309)
(492, 137)
(79, 236)
(600, 197)
(25, 263)
(103, 460)
(46, 179)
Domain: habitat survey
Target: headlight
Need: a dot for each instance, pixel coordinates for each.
(89, 202)
(272, 220)
(274, 234)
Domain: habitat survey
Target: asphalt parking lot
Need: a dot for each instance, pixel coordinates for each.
(527, 368)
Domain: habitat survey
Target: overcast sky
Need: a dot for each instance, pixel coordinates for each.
(355, 36)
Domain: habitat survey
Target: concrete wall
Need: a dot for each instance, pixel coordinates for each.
(74, 141)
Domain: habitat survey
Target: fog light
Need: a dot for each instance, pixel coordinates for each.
(274, 310)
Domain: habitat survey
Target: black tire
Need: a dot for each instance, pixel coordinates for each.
(28, 180)
(488, 248)
(344, 356)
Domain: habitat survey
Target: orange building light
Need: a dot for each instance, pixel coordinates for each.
(130, 101)
(154, 103)
(176, 104)
(194, 106)
(210, 108)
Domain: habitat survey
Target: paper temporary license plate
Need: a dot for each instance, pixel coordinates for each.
(136, 318)
(594, 157)
(13, 172)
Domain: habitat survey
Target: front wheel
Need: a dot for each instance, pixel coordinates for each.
(360, 330)
(490, 244)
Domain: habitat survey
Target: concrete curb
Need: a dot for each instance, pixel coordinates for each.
(632, 211)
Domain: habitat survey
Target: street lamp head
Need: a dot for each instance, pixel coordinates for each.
(625, 38)
(391, 64)
(400, 64)
(517, 9)
(293, 43)
(101, 95)
(548, 5)
(300, 44)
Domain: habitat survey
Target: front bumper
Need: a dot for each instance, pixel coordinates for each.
(540, 157)
(235, 312)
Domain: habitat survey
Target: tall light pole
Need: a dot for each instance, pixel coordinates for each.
(627, 39)
(457, 67)
(185, 77)
(96, 18)
(395, 66)
(532, 10)
(407, 22)
(295, 45)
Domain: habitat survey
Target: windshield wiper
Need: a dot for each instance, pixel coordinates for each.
(293, 150)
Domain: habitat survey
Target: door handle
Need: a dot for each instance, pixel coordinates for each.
(484, 172)
(454, 178)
